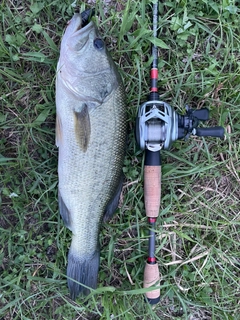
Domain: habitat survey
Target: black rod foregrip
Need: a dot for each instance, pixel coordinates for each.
(152, 158)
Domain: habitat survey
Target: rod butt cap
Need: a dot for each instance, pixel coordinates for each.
(153, 300)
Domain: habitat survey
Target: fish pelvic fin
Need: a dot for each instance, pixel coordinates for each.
(58, 131)
(113, 203)
(82, 272)
(64, 212)
(82, 127)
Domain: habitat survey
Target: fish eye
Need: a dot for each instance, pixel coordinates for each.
(98, 43)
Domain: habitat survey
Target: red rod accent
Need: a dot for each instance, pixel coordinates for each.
(152, 220)
(151, 259)
(154, 73)
(154, 90)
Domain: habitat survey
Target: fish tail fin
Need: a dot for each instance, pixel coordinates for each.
(82, 272)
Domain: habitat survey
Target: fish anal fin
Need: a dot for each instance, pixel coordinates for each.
(58, 131)
(82, 127)
(64, 212)
(113, 203)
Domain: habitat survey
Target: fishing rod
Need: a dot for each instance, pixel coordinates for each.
(158, 125)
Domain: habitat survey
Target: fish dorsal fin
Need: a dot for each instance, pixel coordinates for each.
(82, 127)
(58, 131)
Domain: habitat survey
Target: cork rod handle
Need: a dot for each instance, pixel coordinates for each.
(152, 198)
(152, 190)
(152, 277)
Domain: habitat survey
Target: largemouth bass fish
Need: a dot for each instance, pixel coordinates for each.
(91, 130)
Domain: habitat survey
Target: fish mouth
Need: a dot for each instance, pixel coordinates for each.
(86, 16)
(82, 20)
(80, 30)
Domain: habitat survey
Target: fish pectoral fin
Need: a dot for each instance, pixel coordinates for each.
(113, 203)
(82, 127)
(58, 131)
(64, 212)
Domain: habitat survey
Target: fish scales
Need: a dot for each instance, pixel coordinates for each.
(87, 172)
(91, 136)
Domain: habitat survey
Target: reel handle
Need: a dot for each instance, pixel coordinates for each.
(217, 132)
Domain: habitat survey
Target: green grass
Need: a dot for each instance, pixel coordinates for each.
(198, 227)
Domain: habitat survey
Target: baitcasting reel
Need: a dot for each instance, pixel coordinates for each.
(158, 125)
